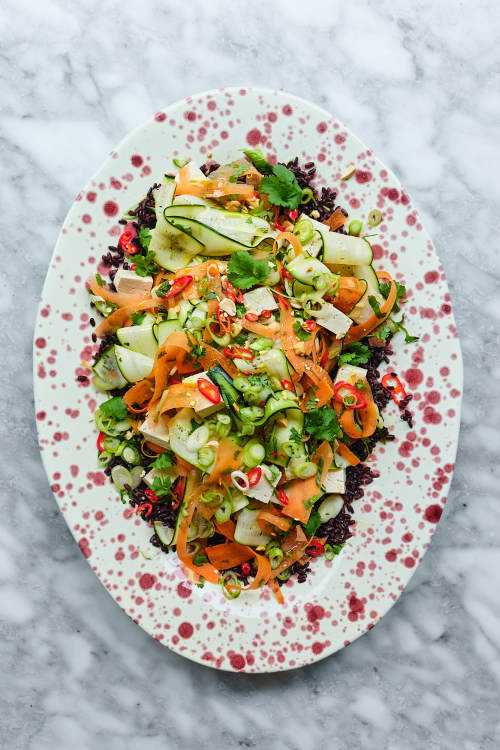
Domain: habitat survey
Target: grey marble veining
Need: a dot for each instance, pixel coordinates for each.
(420, 82)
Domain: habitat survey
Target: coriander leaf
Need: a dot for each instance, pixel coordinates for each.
(240, 309)
(99, 280)
(238, 172)
(282, 188)
(259, 381)
(164, 460)
(244, 271)
(145, 264)
(200, 559)
(258, 159)
(355, 354)
(137, 318)
(295, 436)
(400, 327)
(375, 306)
(385, 288)
(313, 524)
(322, 423)
(144, 237)
(162, 486)
(163, 289)
(114, 408)
(300, 332)
(383, 333)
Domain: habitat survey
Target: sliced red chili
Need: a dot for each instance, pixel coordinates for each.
(235, 294)
(130, 249)
(293, 214)
(224, 321)
(395, 386)
(179, 285)
(287, 386)
(254, 476)
(352, 401)
(151, 495)
(143, 507)
(252, 317)
(280, 455)
(324, 359)
(177, 497)
(132, 267)
(239, 352)
(315, 549)
(209, 390)
(285, 274)
(246, 569)
(100, 442)
(282, 497)
(278, 227)
(309, 325)
(124, 241)
(266, 314)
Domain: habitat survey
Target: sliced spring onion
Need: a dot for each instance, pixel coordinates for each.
(103, 459)
(251, 412)
(275, 556)
(307, 196)
(304, 469)
(111, 444)
(253, 453)
(304, 230)
(131, 455)
(206, 456)
(223, 512)
(121, 477)
(284, 575)
(179, 163)
(136, 473)
(222, 429)
(355, 227)
(111, 426)
(241, 383)
(261, 344)
(374, 217)
(240, 480)
(198, 438)
(212, 497)
(231, 586)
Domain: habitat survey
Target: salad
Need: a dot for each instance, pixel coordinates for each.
(241, 332)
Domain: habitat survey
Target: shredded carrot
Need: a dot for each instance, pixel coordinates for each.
(343, 450)
(301, 491)
(270, 521)
(187, 186)
(165, 361)
(324, 391)
(206, 570)
(349, 293)
(292, 239)
(336, 219)
(140, 394)
(273, 583)
(359, 423)
(213, 357)
(221, 188)
(178, 396)
(263, 565)
(228, 555)
(228, 460)
(155, 449)
(260, 329)
(119, 317)
(288, 339)
(358, 332)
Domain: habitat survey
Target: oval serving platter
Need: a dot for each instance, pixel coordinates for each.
(397, 515)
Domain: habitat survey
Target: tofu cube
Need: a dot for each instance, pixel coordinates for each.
(264, 489)
(332, 319)
(202, 405)
(128, 282)
(156, 432)
(259, 300)
(335, 481)
(350, 374)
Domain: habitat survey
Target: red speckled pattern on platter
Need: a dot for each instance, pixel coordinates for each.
(399, 512)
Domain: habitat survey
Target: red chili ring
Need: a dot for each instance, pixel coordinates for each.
(315, 549)
(254, 476)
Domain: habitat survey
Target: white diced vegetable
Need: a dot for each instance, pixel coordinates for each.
(128, 282)
(258, 300)
(201, 404)
(334, 481)
(156, 432)
(332, 319)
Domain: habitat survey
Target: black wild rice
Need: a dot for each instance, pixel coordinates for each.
(145, 210)
(325, 199)
(209, 167)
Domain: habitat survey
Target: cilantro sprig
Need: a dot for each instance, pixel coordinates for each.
(145, 264)
(164, 460)
(355, 354)
(385, 288)
(323, 423)
(282, 188)
(244, 271)
(115, 408)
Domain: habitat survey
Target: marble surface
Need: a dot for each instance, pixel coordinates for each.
(417, 81)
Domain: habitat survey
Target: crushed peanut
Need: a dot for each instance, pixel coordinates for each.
(348, 172)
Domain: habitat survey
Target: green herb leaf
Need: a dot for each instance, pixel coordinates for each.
(211, 295)
(295, 436)
(322, 423)
(244, 271)
(384, 332)
(385, 288)
(196, 352)
(164, 460)
(145, 264)
(355, 354)
(400, 327)
(313, 524)
(321, 464)
(238, 172)
(114, 408)
(179, 163)
(162, 486)
(200, 559)
(282, 188)
(300, 332)
(99, 280)
(137, 318)
(375, 306)
(144, 237)
(163, 289)
(258, 159)
(240, 309)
